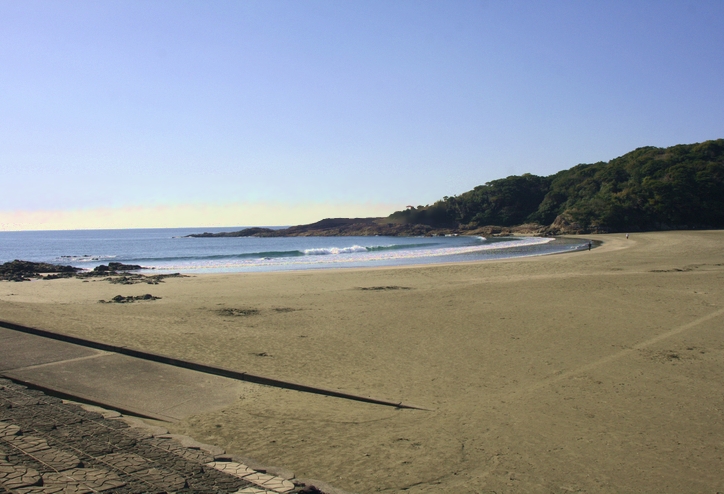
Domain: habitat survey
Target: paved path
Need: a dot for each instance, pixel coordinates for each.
(144, 388)
(51, 446)
(48, 445)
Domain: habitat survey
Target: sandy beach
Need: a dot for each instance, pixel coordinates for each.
(594, 371)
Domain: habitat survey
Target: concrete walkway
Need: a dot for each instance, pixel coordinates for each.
(140, 387)
(49, 445)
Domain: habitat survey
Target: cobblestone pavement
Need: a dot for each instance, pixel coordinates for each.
(50, 446)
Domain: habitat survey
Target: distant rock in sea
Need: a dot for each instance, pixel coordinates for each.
(246, 232)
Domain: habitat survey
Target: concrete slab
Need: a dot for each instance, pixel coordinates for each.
(86, 453)
(114, 380)
(23, 350)
(135, 384)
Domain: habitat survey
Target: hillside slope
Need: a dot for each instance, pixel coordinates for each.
(649, 188)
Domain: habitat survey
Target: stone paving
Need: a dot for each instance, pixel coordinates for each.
(51, 446)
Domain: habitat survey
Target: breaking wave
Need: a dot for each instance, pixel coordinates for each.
(261, 255)
(84, 258)
(354, 255)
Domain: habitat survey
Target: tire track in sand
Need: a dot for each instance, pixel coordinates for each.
(616, 356)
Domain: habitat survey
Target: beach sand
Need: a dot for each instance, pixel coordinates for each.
(598, 371)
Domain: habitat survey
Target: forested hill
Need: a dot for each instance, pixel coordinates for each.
(647, 189)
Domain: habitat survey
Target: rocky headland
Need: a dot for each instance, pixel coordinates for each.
(649, 189)
(361, 227)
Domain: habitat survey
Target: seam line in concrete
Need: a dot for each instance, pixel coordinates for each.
(47, 364)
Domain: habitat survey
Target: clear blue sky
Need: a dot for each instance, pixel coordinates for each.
(276, 112)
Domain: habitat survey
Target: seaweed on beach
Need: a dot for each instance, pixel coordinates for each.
(135, 278)
(381, 288)
(120, 299)
(238, 312)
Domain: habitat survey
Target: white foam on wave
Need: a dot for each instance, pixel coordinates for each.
(84, 258)
(326, 251)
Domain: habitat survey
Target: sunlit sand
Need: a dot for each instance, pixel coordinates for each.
(596, 371)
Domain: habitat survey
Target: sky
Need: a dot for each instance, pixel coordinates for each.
(132, 114)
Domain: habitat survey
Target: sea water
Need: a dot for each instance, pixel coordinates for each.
(166, 250)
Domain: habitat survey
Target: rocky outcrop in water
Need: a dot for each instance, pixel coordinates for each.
(114, 267)
(114, 272)
(246, 232)
(26, 270)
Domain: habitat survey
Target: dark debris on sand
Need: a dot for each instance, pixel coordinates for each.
(381, 288)
(238, 312)
(120, 299)
(134, 278)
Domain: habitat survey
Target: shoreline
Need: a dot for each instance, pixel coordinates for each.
(256, 255)
(541, 373)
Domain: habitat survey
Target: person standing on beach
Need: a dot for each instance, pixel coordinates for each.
(589, 245)
(627, 236)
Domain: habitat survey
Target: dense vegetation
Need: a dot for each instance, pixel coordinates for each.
(649, 188)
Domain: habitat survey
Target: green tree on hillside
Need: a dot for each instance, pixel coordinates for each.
(649, 188)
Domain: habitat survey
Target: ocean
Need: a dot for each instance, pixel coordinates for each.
(167, 250)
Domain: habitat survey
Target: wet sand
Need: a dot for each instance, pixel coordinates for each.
(594, 371)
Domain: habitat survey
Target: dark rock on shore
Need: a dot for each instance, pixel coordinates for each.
(134, 278)
(114, 272)
(113, 268)
(116, 266)
(25, 270)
